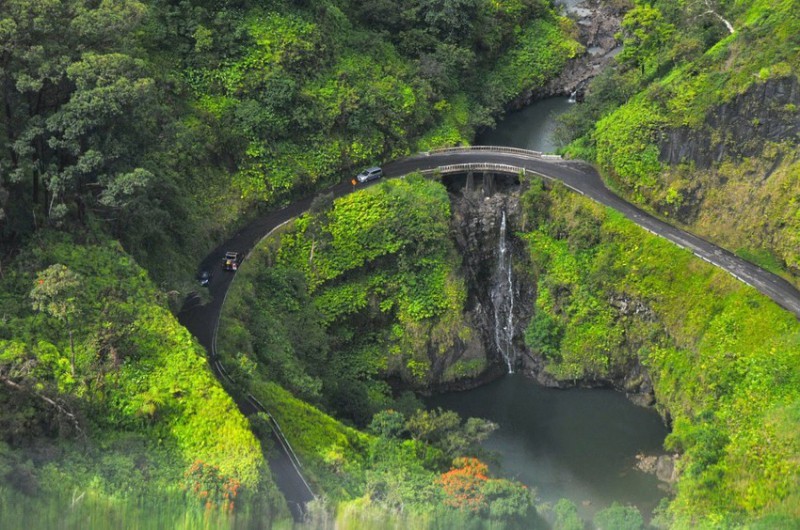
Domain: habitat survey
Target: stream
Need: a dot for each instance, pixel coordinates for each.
(577, 444)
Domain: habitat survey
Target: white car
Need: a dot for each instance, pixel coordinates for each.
(368, 174)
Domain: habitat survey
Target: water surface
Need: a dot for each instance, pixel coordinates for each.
(529, 128)
(579, 444)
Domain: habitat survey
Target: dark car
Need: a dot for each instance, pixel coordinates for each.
(368, 174)
(231, 261)
(204, 277)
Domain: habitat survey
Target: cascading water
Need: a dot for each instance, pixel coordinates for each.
(503, 300)
(573, 97)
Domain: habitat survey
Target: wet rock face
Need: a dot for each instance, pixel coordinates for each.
(476, 223)
(765, 112)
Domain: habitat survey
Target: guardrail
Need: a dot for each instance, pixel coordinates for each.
(527, 153)
(475, 166)
(220, 369)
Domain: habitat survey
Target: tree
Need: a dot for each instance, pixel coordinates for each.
(451, 19)
(55, 292)
(387, 423)
(618, 517)
(443, 429)
(645, 34)
(508, 500)
(567, 517)
(98, 130)
(463, 485)
(78, 115)
(468, 487)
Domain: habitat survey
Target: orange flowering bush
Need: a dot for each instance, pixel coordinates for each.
(210, 487)
(468, 487)
(463, 485)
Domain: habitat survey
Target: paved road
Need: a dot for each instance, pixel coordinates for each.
(202, 320)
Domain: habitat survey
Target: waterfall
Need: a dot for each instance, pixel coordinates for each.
(573, 96)
(503, 300)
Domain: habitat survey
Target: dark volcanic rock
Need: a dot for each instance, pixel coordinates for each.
(597, 24)
(476, 227)
(765, 112)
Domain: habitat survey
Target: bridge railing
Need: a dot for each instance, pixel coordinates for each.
(494, 149)
(476, 166)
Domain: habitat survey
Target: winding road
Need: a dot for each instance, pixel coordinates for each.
(202, 320)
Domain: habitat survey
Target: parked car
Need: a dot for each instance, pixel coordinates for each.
(231, 261)
(368, 174)
(204, 277)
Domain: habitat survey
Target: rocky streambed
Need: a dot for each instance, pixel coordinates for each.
(597, 24)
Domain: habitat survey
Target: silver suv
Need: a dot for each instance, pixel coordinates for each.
(368, 174)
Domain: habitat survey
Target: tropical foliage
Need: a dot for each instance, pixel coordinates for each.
(138, 133)
(724, 359)
(698, 122)
(98, 374)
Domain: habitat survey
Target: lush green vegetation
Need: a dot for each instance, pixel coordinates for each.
(137, 133)
(152, 120)
(724, 360)
(684, 83)
(355, 290)
(349, 294)
(106, 398)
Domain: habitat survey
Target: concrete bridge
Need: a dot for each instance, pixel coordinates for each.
(203, 320)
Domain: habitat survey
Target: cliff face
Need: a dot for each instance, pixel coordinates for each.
(766, 112)
(736, 179)
(707, 128)
(498, 295)
(502, 293)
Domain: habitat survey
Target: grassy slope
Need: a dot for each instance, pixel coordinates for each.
(724, 359)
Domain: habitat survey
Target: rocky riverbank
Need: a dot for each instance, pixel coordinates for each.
(597, 24)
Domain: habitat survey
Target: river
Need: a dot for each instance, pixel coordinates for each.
(577, 444)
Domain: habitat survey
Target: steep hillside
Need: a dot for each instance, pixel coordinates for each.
(106, 398)
(708, 136)
(616, 304)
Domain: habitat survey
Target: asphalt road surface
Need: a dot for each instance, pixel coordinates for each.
(202, 320)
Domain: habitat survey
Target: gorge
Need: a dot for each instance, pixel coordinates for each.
(139, 136)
